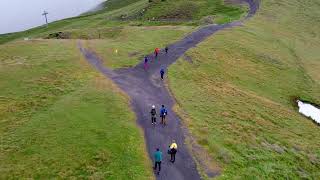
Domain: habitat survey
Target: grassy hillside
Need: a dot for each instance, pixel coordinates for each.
(192, 10)
(111, 5)
(241, 85)
(135, 13)
(133, 43)
(58, 117)
(61, 119)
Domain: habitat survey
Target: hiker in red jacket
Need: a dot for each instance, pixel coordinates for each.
(156, 52)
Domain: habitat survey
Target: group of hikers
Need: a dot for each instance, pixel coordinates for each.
(156, 53)
(173, 148)
(163, 114)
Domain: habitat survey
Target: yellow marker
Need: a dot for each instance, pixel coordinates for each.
(116, 51)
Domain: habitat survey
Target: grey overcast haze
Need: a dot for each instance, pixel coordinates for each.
(19, 15)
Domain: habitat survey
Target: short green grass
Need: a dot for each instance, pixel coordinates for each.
(237, 94)
(58, 117)
(192, 10)
(111, 5)
(133, 43)
(135, 13)
(61, 119)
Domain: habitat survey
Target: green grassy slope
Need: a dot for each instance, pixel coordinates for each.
(58, 117)
(134, 13)
(111, 5)
(61, 119)
(86, 24)
(192, 10)
(133, 43)
(236, 96)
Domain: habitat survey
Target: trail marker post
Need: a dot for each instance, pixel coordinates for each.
(1, 145)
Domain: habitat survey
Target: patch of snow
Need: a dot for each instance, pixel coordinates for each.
(309, 111)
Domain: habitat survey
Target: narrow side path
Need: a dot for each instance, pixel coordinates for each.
(145, 89)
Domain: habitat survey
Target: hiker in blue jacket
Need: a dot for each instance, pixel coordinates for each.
(163, 114)
(162, 73)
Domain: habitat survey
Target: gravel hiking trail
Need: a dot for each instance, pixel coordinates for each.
(145, 88)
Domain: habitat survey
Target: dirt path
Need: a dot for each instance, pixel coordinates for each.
(146, 88)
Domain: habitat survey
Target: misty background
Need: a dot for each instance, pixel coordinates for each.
(19, 15)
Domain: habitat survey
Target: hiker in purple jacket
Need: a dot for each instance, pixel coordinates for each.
(166, 49)
(145, 63)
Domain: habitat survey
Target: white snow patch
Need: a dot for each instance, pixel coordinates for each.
(309, 111)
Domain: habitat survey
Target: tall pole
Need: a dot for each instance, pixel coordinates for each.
(45, 13)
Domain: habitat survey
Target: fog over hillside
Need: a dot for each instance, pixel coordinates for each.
(18, 15)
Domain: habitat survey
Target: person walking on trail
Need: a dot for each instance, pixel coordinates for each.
(162, 73)
(145, 63)
(156, 52)
(163, 114)
(173, 151)
(153, 114)
(166, 49)
(157, 159)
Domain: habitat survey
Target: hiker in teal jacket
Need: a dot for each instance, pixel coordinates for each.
(157, 159)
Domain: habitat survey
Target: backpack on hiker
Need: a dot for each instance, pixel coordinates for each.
(153, 112)
(173, 151)
(165, 112)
